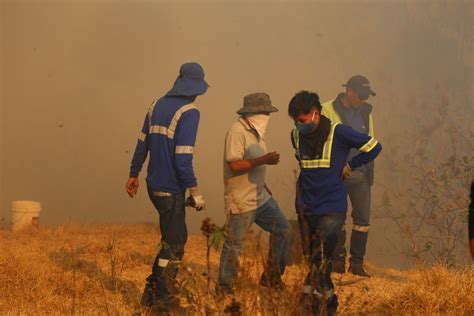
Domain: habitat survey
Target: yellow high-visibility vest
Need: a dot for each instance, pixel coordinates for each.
(325, 161)
(329, 112)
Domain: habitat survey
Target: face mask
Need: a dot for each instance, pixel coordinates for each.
(305, 129)
(259, 122)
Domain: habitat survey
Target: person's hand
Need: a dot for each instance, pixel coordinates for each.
(271, 158)
(346, 172)
(132, 186)
(199, 203)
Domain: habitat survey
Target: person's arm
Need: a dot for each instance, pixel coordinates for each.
(185, 139)
(234, 153)
(245, 165)
(368, 146)
(139, 157)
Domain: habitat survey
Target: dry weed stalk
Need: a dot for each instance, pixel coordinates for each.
(111, 245)
(37, 278)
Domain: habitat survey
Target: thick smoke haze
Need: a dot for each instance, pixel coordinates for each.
(77, 78)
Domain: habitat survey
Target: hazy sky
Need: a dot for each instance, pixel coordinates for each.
(78, 77)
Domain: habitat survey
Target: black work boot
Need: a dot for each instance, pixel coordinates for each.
(339, 266)
(147, 296)
(156, 296)
(358, 269)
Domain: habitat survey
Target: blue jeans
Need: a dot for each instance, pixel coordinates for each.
(271, 219)
(319, 238)
(174, 234)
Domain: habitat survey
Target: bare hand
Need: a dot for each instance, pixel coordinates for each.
(346, 172)
(271, 158)
(132, 186)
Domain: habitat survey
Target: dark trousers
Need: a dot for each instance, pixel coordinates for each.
(359, 191)
(174, 235)
(319, 238)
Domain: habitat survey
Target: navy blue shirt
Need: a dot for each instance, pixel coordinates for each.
(168, 134)
(320, 188)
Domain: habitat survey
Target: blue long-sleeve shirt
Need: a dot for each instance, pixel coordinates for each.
(320, 188)
(168, 135)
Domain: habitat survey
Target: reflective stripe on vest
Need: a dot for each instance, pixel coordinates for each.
(170, 130)
(325, 161)
(329, 111)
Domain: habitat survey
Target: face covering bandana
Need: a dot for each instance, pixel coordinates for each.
(305, 129)
(259, 122)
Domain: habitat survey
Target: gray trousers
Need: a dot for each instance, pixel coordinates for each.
(359, 191)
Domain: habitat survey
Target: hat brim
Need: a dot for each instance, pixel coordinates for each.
(266, 109)
(188, 87)
(370, 92)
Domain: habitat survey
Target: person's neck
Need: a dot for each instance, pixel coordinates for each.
(345, 101)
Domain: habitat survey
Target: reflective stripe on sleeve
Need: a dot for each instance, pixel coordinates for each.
(163, 262)
(369, 145)
(142, 136)
(184, 149)
(358, 228)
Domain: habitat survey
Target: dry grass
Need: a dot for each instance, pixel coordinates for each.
(77, 269)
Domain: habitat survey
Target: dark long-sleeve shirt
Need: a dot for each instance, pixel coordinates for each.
(168, 135)
(320, 186)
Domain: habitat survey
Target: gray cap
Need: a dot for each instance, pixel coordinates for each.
(360, 85)
(257, 103)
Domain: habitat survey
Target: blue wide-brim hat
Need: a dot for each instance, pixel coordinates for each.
(190, 81)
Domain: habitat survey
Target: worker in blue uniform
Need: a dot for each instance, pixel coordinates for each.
(322, 148)
(168, 136)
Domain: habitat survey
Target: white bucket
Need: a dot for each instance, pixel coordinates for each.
(25, 214)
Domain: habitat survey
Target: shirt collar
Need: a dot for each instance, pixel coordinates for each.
(247, 126)
(245, 123)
